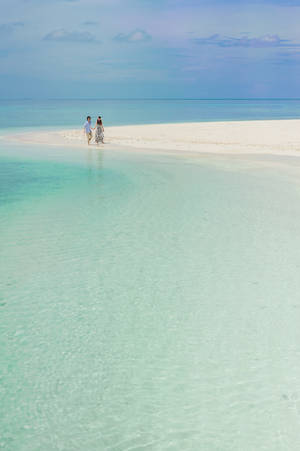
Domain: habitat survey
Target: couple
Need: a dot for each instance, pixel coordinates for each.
(99, 133)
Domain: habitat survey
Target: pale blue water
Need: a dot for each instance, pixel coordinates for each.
(147, 302)
(70, 113)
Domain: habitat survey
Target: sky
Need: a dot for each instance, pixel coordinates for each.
(150, 49)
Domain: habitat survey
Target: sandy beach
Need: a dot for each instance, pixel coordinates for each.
(267, 137)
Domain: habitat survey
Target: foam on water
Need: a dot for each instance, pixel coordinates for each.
(148, 302)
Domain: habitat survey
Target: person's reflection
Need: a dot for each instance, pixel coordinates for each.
(99, 160)
(94, 163)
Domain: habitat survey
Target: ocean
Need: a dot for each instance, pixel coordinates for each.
(147, 301)
(72, 113)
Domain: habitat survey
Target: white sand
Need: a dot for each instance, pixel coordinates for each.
(274, 137)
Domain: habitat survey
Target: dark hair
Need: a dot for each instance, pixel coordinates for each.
(99, 120)
(89, 117)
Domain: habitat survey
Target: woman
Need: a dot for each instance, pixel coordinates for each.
(99, 131)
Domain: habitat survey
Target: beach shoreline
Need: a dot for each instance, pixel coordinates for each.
(274, 137)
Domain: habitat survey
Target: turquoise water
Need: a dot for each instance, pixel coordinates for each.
(148, 302)
(70, 113)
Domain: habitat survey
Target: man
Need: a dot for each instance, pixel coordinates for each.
(88, 129)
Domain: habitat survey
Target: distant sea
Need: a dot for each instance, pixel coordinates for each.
(71, 113)
(147, 301)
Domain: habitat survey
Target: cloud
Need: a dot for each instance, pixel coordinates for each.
(17, 24)
(10, 27)
(90, 23)
(135, 36)
(69, 36)
(268, 40)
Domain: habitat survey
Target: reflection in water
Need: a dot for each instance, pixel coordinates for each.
(94, 162)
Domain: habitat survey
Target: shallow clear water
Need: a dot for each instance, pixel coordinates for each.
(148, 302)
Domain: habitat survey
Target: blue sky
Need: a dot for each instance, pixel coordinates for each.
(150, 48)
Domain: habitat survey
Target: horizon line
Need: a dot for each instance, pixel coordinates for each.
(148, 98)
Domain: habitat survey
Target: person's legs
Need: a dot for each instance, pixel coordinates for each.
(89, 137)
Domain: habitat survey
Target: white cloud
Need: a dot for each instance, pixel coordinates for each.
(134, 36)
(69, 36)
(245, 41)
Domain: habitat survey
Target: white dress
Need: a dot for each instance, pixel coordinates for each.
(99, 133)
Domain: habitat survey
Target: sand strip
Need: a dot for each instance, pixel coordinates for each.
(274, 137)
